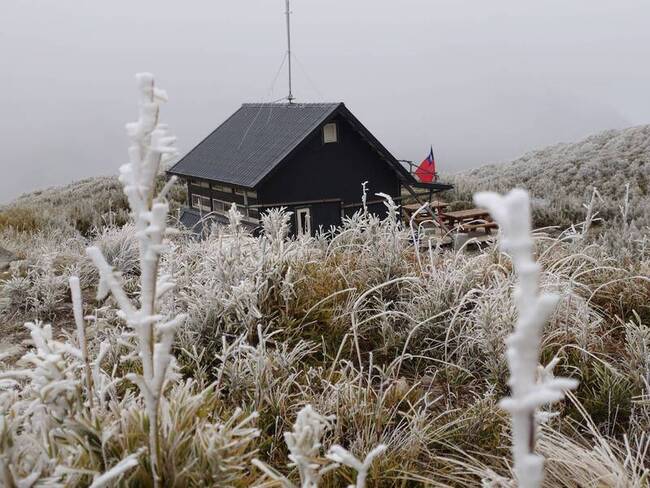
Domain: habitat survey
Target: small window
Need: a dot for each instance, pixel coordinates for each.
(219, 206)
(201, 203)
(329, 133)
(222, 188)
(303, 219)
(202, 184)
(251, 194)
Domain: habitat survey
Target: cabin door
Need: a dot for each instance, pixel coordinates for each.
(303, 219)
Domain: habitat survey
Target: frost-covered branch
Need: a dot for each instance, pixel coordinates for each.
(592, 214)
(342, 456)
(512, 213)
(305, 445)
(77, 310)
(109, 477)
(149, 145)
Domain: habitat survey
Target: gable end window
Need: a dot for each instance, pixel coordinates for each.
(330, 133)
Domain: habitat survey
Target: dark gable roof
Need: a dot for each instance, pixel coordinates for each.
(256, 138)
(252, 141)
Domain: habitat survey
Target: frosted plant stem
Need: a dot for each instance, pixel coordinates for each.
(626, 204)
(591, 215)
(512, 213)
(77, 310)
(149, 143)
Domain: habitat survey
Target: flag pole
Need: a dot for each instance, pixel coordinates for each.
(433, 176)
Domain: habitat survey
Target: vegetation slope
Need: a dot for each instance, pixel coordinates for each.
(404, 347)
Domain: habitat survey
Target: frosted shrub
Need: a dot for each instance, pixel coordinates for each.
(16, 292)
(637, 343)
(220, 291)
(47, 292)
(35, 403)
(304, 443)
(275, 225)
(305, 448)
(487, 326)
(380, 244)
(238, 280)
(37, 285)
(119, 245)
(40, 290)
(342, 456)
(261, 375)
(53, 376)
(576, 321)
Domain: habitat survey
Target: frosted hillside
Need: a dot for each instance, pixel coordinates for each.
(82, 189)
(80, 206)
(608, 160)
(562, 176)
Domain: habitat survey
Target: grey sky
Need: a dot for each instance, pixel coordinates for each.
(480, 80)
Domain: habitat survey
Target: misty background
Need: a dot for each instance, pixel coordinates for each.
(481, 81)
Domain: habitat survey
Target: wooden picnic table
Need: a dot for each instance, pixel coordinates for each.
(465, 220)
(436, 207)
(435, 204)
(468, 215)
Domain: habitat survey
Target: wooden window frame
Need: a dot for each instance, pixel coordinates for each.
(336, 132)
(221, 188)
(201, 183)
(307, 212)
(226, 207)
(201, 199)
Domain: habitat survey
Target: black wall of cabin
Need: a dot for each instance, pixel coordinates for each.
(318, 171)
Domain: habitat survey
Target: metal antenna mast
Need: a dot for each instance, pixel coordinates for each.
(288, 12)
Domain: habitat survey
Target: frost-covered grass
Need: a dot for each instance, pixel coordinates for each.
(346, 359)
(403, 353)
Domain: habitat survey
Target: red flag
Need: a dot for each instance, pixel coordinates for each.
(426, 172)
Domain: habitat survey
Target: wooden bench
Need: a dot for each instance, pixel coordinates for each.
(485, 225)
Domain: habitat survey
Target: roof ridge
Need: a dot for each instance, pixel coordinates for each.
(293, 104)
